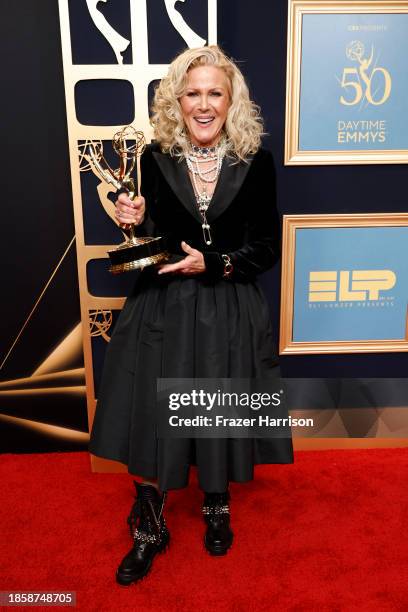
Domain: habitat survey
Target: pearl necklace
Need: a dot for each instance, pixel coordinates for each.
(194, 158)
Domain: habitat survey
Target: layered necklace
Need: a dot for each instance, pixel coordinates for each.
(204, 164)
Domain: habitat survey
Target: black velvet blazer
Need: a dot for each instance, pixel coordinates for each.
(243, 215)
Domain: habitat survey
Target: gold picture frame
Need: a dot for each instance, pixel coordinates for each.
(294, 154)
(288, 344)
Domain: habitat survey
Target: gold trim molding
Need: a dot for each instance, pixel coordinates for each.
(291, 223)
(139, 73)
(294, 156)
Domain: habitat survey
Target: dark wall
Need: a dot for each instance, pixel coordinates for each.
(36, 201)
(36, 192)
(37, 227)
(257, 38)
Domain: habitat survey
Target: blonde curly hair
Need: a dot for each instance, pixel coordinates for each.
(243, 127)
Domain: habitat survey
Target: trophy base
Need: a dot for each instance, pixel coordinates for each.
(136, 254)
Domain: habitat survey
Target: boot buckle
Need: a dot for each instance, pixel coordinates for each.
(216, 509)
(144, 537)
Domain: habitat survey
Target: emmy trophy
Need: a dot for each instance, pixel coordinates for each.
(135, 253)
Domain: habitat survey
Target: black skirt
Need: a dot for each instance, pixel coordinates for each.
(180, 327)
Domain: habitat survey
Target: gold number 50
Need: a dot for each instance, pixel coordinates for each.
(357, 87)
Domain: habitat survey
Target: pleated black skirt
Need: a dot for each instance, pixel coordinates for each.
(180, 327)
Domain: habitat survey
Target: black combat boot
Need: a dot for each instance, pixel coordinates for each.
(218, 537)
(149, 532)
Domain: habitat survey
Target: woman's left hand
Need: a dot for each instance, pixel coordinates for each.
(192, 264)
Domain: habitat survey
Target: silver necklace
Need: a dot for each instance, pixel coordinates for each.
(203, 151)
(203, 199)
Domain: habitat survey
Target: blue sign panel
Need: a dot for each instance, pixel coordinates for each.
(354, 82)
(350, 284)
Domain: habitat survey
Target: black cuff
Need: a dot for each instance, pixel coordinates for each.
(146, 228)
(214, 265)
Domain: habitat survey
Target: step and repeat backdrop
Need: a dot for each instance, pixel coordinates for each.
(331, 82)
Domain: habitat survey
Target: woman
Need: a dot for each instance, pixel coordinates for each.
(208, 188)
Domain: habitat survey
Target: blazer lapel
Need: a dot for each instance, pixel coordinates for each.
(229, 183)
(176, 174)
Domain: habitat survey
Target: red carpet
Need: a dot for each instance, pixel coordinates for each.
(328, 533)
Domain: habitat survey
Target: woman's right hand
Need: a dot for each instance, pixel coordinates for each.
(129, 212)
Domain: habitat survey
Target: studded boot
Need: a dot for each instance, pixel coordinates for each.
(149, 532)
(216, 511)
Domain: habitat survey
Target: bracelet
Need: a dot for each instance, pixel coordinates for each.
(228, 267)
